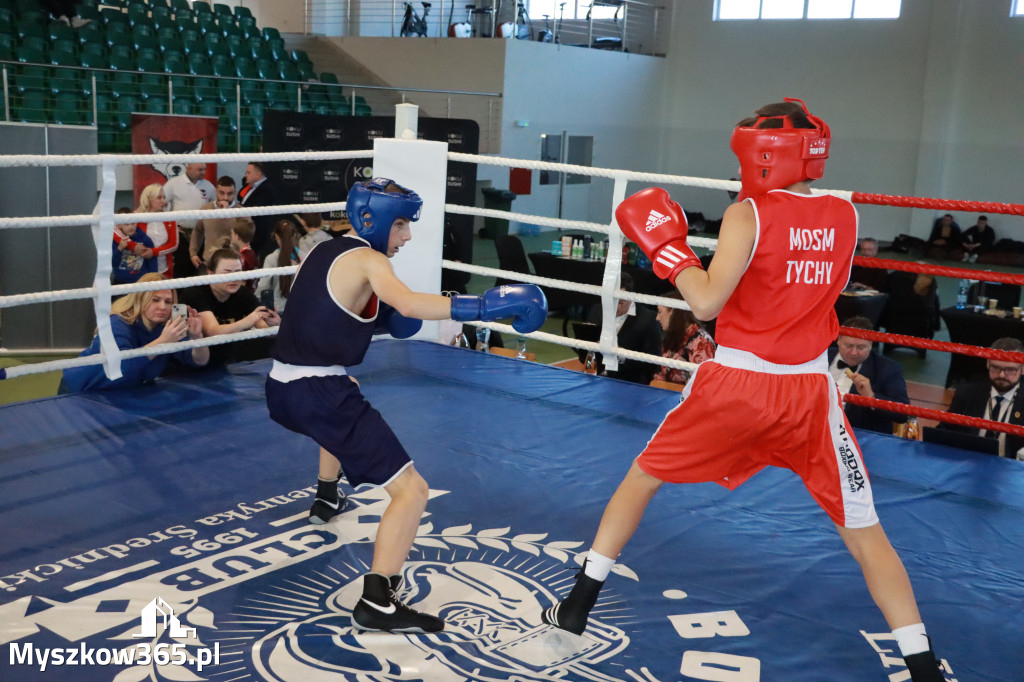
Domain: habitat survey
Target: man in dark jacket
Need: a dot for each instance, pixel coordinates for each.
(860, 372)
(999, 399)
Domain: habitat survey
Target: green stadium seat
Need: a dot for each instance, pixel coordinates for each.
(93, 32)
(162, 4)
(143, 34)
(65, 47)
(227, 140)
(242, 11)
(270, 33)
(208, 107)
(30, 77)
(149, 52)
(222, 65)
(328, 77)
(288, 71)
(61, 31)
(90, 12)
(252, 92)
(7, 47)
(205, 90)
(306, 72)
(120, 38)
(300, 57)
(322, 109)
(185, 18)
(229, 28)
(226, 90)
(237, 45)
(266, 68)
(278, 51)
(155, 105)
(67, 109)
(112, 15)
(248, 27)
(195, 47)
(361, 107)
(138, 11)
(26, 29)
(162, 15)
(247, 69)
(208, 23)
(94, 55)
(34, 46)
(32, 107)
(184, 106)
(191, 34)
(221, 8)
(199, 64)
(6, 17)
(202, 8)
(175, 62)
(181, 6)
(216, 44)
(169, 40)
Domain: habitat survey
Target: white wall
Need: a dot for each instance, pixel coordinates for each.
(926, 105)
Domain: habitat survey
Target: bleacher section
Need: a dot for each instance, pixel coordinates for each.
(159, 56)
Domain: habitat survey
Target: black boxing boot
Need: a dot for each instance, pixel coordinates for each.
(329, 501)
(572, 612)
(923, 667)
(379, 609)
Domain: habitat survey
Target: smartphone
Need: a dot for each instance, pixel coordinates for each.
(179, 310)
(267, 299)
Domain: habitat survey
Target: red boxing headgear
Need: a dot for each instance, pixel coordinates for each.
(773, 158)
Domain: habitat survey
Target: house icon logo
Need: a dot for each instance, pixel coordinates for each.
(159, 608)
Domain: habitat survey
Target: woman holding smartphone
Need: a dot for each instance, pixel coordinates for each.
(142, 320)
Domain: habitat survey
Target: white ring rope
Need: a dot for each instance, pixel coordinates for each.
(103, 217)
(120, 289)
(565, 284)
(20, 160)
(162, 349)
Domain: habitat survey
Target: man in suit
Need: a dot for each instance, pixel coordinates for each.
(999, 399)
(858, 371)
(868, 278)
(258, 191)
(638, 330)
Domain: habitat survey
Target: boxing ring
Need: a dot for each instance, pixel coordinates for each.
(160, 533)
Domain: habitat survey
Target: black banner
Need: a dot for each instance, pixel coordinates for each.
(311, 182)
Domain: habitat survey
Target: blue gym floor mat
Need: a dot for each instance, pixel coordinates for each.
(168, 522)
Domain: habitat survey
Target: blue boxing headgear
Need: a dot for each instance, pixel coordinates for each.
(374, 205)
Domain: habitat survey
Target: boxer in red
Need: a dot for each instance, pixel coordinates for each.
(781, 244)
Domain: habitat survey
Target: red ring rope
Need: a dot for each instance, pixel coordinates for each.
(940, 270)
(928, 413)
(930, 344)
(944, 204)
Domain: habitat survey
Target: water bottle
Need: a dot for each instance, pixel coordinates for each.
(587, 242)
(521, 349)
(961, 294)
(483, 338)
(460, 340)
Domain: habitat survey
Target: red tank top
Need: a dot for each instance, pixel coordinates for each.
(783, 309)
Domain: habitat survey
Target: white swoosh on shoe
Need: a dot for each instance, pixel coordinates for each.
(389, 609)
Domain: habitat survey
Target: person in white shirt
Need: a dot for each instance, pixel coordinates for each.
(183, 194)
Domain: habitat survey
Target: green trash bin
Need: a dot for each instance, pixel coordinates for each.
(497, 200)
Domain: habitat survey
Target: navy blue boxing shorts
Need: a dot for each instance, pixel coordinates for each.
(332, 411)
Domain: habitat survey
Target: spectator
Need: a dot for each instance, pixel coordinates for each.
(259, 192)
(858, 371)
(286, 254)
(868, 278)
(211, 234)
(978, 240)
(65, 11)
(164, 234)
(638, 330)
(241, 235)
(312, 223)
(683, 338)
(945, 236)
(183, 192)
(999, 399)
(227, 307)
(140, 320)
(132, 255)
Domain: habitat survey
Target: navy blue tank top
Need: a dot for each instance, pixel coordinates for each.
(315, 329)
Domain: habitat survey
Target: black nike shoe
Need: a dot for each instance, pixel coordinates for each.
(323, 510)
(923, 667)
(379, 610)
(572, 612)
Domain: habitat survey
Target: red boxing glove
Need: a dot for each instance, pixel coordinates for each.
(658, 226)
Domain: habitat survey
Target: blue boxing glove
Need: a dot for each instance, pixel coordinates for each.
(390, 322)
(524, 303)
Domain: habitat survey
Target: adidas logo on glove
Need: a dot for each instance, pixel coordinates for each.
(655, 219)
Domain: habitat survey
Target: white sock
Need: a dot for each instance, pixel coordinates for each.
(912, 639)
(598, 566)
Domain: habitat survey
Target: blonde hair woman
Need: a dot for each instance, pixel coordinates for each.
(141, 320)
(163, 234)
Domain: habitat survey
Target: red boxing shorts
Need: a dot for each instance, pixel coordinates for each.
(740, 414)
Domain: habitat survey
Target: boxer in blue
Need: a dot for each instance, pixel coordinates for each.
(344, 292)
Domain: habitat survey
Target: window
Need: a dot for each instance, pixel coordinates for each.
(577, 10)
(1017, 8)
(814, 9)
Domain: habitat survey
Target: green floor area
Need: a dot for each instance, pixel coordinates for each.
(929, 370)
